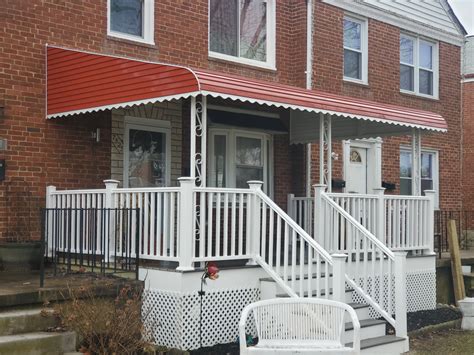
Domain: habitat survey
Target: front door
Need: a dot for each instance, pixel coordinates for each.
(146, 155)
(356, 181)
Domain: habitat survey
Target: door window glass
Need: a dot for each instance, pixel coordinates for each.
(146, 158)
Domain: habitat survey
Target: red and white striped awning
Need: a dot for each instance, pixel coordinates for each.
(80, 82)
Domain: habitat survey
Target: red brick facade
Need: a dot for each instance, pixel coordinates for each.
(62, 151)
(468, 145)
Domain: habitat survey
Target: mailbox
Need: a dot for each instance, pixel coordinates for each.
(338, 184)
(390, 186)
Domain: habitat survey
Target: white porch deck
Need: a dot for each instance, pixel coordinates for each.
(360, 241)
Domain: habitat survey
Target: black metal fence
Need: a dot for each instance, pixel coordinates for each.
(100, 240)
(464, 225)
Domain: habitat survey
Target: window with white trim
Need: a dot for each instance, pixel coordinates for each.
(355, 49)
(429, 172)
(418, 66)
(131, 19)
(237, 156)
(243, 31)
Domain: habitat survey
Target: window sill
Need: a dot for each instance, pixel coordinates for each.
(241, 62)
(356, 82)
(419, 96)
(131, 40)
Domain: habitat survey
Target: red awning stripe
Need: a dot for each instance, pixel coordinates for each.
(81, 82)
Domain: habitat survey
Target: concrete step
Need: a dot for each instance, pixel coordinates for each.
(385, 344)
(369, 328)
(25, 321)
(38, 343)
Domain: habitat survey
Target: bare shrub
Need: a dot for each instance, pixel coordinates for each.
(105, 325)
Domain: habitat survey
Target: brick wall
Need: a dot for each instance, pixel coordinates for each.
(63, 152)
(468, 146)
(383, 78)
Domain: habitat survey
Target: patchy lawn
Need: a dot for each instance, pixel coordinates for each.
(450, 341)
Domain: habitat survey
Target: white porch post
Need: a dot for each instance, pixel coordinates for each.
(198, 135)
(380, 228)
(50, 203)
(255, 219)
(325, 151)
(429, 242)
(339, 278)
(110, 186)
(416, 162)
(186, 223)
(318, 229)
(400, 294)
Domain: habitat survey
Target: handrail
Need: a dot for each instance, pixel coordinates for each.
(294, 225)
(359, 226)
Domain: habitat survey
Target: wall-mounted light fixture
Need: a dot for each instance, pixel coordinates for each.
(96, 135)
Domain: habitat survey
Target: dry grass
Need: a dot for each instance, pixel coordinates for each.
(105, 325)
(445, 342)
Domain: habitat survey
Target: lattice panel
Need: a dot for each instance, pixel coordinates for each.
(174, 317)
(421, 292)
(161, 312)
(421, 286)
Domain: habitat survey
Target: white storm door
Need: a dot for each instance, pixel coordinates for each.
(356, 179)
(146, 156)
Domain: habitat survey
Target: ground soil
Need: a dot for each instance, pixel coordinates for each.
(442, 314)
(445, 342)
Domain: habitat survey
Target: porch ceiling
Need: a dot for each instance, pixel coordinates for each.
(79, 82)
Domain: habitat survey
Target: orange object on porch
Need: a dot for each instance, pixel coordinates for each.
(79, 82)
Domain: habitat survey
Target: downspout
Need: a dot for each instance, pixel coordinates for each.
(309, 82)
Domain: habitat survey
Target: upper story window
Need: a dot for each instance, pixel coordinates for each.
(355, 49)
(243, 31)
(418, 66)
(131, 19)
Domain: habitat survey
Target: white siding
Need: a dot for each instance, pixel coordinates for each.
(468, 56)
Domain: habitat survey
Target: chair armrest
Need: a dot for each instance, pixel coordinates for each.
(242, 323)
(356, 331)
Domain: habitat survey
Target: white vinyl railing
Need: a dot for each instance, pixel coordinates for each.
(301, 211)
(402, 223)
(375, 272)
(221, 224)
(409, 222)
(294, 259)
(157, 220)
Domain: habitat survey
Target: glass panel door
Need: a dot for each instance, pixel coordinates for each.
(146, 158)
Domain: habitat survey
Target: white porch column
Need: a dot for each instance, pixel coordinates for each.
(110, 186)
(198, 153)
(318, 228)
(339, 277)
(255, 219)
(325, 151)
(186, 224)
(416, 163)
(400, 294)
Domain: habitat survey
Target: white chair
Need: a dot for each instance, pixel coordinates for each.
(299, 325)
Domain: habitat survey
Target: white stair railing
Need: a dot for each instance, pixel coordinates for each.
(290, 256)
(375, 272)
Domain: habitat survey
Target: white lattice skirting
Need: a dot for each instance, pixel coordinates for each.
(173, 318)
(421, 291)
